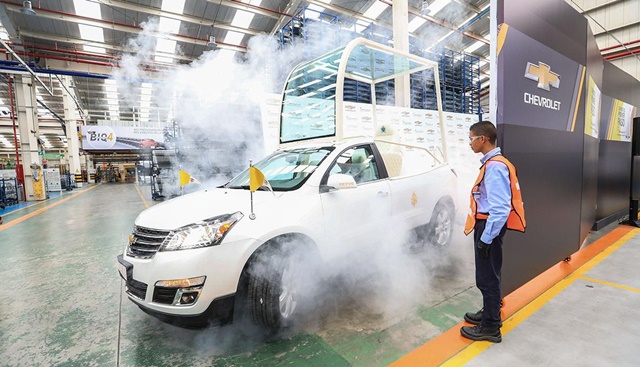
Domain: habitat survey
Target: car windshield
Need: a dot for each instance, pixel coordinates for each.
(285, 170)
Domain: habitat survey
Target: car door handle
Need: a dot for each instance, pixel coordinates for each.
(383, 194)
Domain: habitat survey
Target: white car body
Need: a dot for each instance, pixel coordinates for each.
(326, 218)
(201, 256)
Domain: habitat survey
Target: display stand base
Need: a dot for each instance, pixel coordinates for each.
(634, 223)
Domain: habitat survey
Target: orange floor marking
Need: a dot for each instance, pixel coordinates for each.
(33, 214)
(439, 349)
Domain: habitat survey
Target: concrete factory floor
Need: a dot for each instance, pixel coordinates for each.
(63, 303)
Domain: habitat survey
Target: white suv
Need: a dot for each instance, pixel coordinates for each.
(200, 257)
(190, 259)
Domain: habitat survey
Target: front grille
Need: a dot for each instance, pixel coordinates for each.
(136, 289)
(164, 295)
(146, 242)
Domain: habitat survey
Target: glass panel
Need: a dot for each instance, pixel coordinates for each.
(365, 62)
(308, 106)
(358, 162)
(285, 170)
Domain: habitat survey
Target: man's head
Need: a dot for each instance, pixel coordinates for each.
(482, 137)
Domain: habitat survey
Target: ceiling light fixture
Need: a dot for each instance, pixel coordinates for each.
(212, 39)
(27, 8)
(424, 10)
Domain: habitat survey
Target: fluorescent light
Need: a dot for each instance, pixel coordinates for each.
(416, 23)
(474, 46)
(96, 49)
(242, 19)
(92, 33)
(87, 8)
(375, 10)
(437, 6)
(168, 25)
(174, 6)
(165, 59)
(165, 45)
(91, 10)
(234, 38)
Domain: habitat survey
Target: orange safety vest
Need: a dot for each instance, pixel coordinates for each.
(516, 219)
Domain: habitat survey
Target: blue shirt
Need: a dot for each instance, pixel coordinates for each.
(494, 196)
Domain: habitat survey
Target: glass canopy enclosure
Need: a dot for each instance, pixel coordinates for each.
(312, 103)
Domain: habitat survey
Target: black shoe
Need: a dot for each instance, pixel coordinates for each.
(473, 318)
(481, 332)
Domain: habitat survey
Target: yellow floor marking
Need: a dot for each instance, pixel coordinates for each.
(41, 210)
(616, 285)
(509, 324)
(32, 206)
(141, 196)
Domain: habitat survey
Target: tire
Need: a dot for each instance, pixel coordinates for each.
(273, 290)
(442, 222)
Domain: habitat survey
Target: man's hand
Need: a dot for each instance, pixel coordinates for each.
(483, 249)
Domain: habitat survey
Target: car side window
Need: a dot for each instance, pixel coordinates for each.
(358, 162)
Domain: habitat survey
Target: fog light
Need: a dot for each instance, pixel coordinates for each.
(188, 298)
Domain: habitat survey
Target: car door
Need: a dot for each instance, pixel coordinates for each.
(356, 217)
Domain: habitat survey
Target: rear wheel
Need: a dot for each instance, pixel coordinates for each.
(441, 224)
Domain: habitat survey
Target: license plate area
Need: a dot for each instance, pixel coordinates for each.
(125, 268)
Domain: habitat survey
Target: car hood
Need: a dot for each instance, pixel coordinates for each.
(200, 205)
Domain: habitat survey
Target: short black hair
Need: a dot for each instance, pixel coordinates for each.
(485, 128)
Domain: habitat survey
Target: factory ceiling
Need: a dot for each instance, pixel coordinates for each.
(87, 40)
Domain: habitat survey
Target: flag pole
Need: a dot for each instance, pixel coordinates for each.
(252, 216)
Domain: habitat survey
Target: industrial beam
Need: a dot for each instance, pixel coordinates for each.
(176, 16)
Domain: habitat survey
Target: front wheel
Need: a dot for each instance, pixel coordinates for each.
(441, 224)
(274, 288)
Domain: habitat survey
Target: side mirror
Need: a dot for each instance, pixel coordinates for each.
(341, 181)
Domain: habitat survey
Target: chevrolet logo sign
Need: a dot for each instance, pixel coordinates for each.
(542, 74)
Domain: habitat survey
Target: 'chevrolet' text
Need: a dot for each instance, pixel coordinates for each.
(541, 101)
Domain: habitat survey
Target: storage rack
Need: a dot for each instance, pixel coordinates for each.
(9, 191)
(297, 27)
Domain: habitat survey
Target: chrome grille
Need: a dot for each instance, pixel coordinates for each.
(146, 242)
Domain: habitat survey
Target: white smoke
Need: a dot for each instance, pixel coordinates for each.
(217, 99)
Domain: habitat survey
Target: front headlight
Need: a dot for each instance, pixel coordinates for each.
(209, 232)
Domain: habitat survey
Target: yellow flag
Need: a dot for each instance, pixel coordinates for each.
(257, 180)
(185, 178)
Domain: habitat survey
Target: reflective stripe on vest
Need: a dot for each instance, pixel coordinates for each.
(516, 220)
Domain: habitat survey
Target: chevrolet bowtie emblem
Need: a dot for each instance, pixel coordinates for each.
(542, 74)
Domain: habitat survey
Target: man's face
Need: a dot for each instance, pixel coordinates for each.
(476, 142)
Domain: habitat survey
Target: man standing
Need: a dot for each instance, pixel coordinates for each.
(496, 205)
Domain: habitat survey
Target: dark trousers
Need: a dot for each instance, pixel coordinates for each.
(488, 273)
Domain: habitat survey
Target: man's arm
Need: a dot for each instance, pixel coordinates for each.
(498, 188)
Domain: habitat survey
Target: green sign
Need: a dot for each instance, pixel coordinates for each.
(53, 156)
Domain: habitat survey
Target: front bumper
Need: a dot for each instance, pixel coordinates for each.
(222, 266)
(219, 312)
